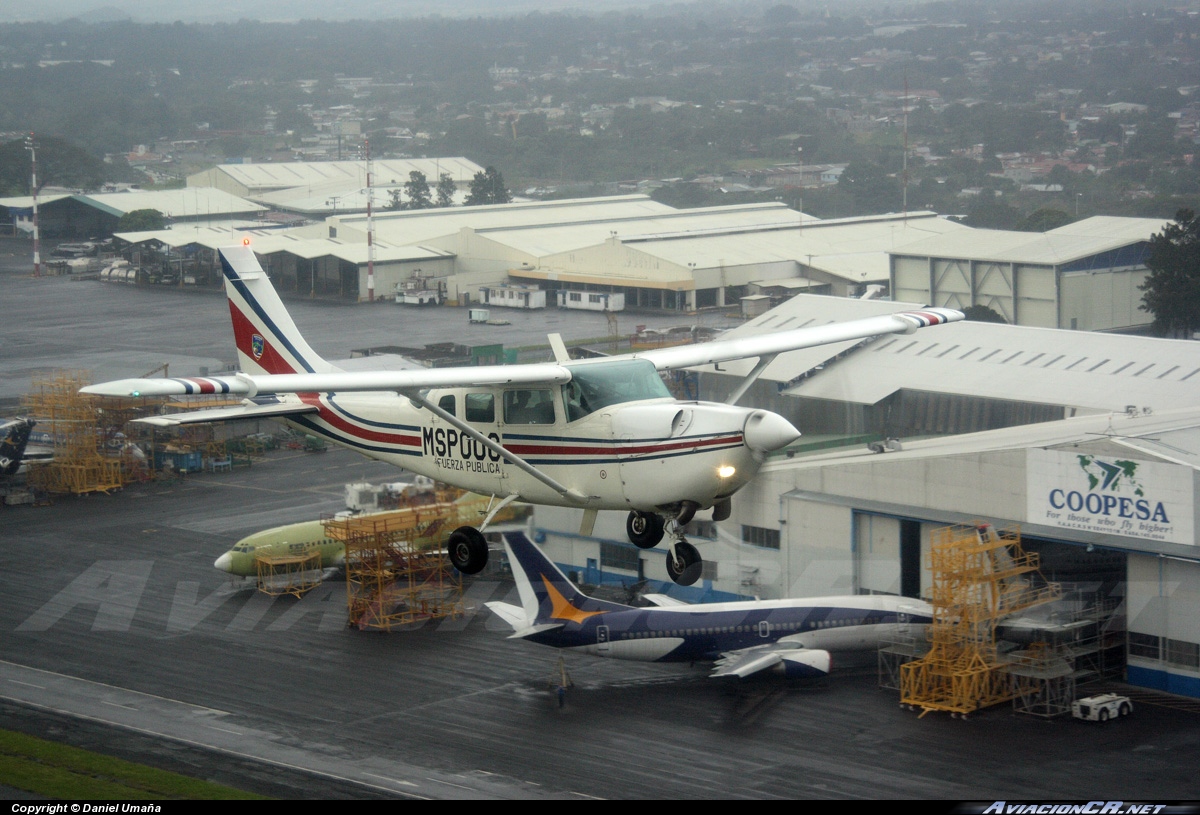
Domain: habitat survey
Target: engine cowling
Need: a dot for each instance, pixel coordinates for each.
(805, 664)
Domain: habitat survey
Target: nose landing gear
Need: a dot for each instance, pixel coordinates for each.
(646, 529)
(684, 563)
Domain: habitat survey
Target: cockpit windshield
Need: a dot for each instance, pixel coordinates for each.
(598, 385)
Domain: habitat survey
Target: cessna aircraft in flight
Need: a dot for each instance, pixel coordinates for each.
(594, 434)
(795, 638)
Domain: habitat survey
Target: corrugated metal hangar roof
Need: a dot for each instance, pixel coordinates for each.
(851, 248)
(1086, 370)
(190, 202)
(287, 174)
(415, 226)
(1056, 247)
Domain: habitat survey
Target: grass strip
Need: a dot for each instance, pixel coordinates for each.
(60, 771)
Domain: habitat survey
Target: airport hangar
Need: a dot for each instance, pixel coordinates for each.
(1084, 275)
(90, 215)
(658, 257)
(1010, 425)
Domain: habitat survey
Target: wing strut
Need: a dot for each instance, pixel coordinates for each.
(750, 378)
(498, 449)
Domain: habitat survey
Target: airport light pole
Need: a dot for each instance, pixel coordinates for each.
(370, 229)
(31, 146)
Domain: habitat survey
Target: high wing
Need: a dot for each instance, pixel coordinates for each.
(766, 345)
(784, 657)
(342, 381)
(769, 345)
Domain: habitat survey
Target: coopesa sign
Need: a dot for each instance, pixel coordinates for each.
(1109, 494)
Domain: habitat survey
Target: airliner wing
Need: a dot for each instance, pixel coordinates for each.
(761, 345)
(788, 658)
(744, 663)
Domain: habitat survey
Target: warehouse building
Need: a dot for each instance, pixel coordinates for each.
(96, 215)
(1081, 276)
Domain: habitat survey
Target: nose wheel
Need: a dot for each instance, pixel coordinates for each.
(646, 530)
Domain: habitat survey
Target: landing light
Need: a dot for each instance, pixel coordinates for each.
(726, 470)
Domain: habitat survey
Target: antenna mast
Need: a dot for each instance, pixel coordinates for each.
(370, 230)
(31, 146)
(905, 172)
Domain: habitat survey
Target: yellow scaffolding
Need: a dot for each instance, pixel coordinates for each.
(393, 576)
(980, 576)
(81, 464)
(289, 574)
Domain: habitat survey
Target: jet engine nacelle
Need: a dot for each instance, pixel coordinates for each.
(805, 664)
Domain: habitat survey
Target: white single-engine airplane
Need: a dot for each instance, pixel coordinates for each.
(795, 638)
(593, 434)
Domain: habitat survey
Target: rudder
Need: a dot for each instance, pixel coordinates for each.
(267, 339)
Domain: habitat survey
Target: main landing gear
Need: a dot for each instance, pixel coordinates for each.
(646, 530)
(468, 550)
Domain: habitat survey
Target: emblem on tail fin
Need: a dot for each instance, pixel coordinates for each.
(563, 609)
(257, 346)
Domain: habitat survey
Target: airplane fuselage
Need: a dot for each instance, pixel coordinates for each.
(641, 455)
(698, 633)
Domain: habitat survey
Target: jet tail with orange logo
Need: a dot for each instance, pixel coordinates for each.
(548, 599)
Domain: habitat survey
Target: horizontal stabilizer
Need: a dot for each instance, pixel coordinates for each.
(513, 615)
(516, 617)
(663, 600)
(533, 629)
(250, 411)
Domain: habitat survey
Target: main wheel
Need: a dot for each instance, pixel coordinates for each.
(645, 529)
(684, 564)
(468, 549)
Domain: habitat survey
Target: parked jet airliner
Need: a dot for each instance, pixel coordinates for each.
(795, 638)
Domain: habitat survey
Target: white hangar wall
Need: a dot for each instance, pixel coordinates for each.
(1162, 610)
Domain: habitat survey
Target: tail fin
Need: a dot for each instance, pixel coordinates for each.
(12, 445)
(268, 342)
(547, 596)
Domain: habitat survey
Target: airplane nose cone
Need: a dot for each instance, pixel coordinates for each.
(767, 432)
(224, 562)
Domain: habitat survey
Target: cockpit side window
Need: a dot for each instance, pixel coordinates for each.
(601, 384)
(447, 403)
